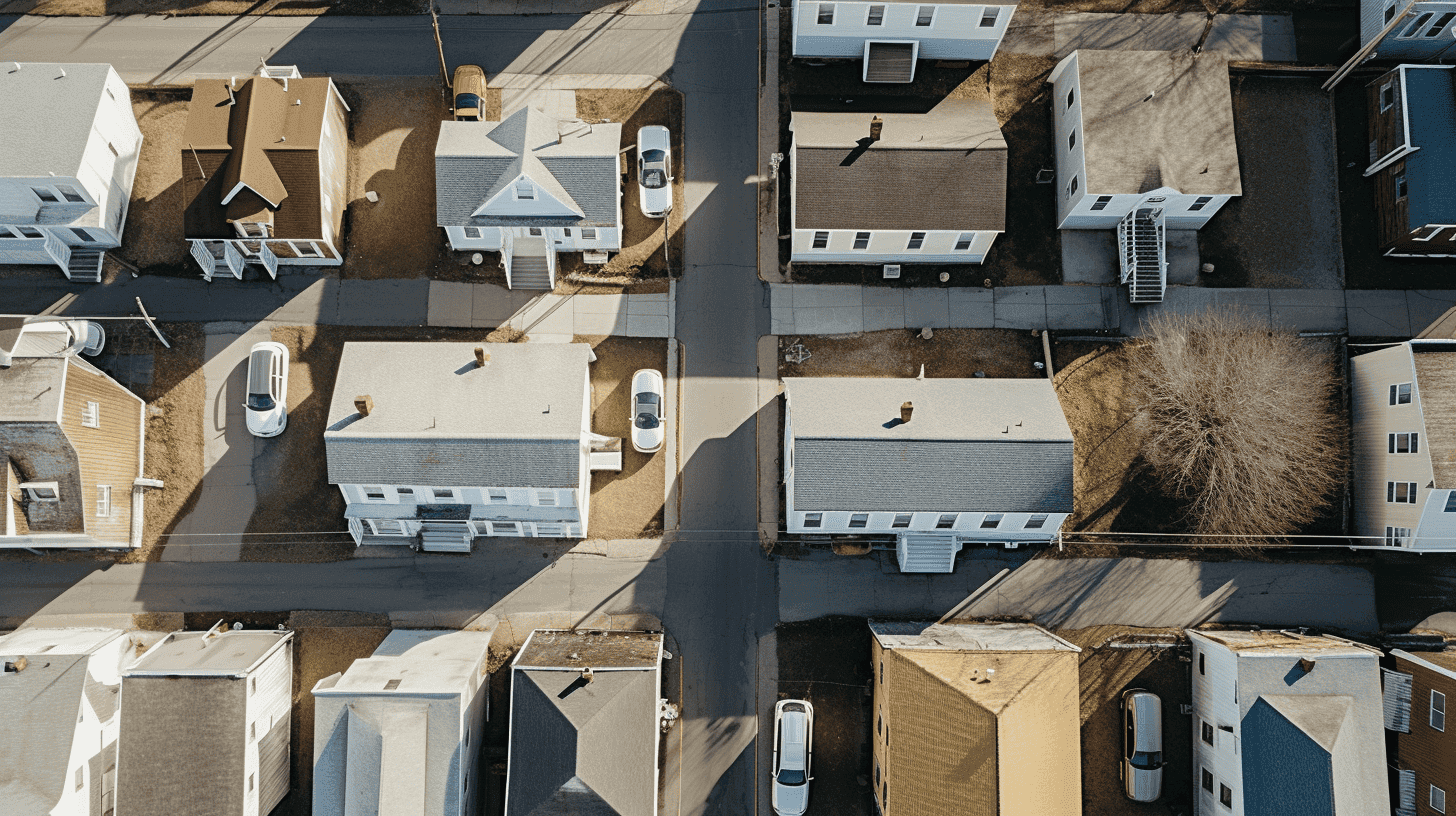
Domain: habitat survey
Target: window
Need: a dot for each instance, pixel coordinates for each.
(1200, 662)
(103, 501)
(252, 685)
(1206, 731)
(1389, 12)
(992, 521)
(1400, 394)
(389, 527)
(566, 232)
(963, 241)
(1400, 190)
(91, 415)
(925, 16)
(946, 521)
(1199, 203)
(1438, 711)
(588, 233)
(821, 240)
(1437, 799)
(309, 250)
(252, 732)
(443, 493)
(1072, 187)
(859, 520)
(826, 14)
(44, 194)
(42, 491)
(250, 783)
(472, 232)
(1207, 780)
(989, 17)
(1400, 492)
(1101, 203)
(1071, 140)
(69, 193)
(861, 240)
(813, 519)
(1440, 25)
(876, 16)
(1071, 97)
(30, 232)
(503, 527)
(1403, 443)
(1387, 96)
(1396, 536)
(80, 777)
(546, 498)
(1225, 796)
(497, 495)
(1451, 502)
(6, 233)
(1420, 22)
(525, 190)
(917, 240)
(1036, 522)
(373, 493)
(405, 493)
(112, 148)
(902, 520)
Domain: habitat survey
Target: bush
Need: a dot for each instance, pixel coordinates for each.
(1238, 422)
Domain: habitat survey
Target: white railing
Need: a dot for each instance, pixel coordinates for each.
(507, 246)
(234, 259)
(270, 260)
(58, 251)
(203, 256)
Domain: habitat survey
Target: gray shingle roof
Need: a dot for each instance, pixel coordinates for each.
(179, 751)
(941, 170)
(52, 143)
(971, 445)
(475, 160)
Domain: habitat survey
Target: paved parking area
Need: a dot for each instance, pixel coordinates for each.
(545, 315)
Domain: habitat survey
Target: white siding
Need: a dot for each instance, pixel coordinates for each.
(889, 246)
(268, 709)
(1012, 526)
(1215, 700)
(1415, 37)
(563, 239)
(1373, 419)
(955, 31)
(522, 507)
(94, 738)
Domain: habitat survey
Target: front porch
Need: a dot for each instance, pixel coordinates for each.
(229, 256)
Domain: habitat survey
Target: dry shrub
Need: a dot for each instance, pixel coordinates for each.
(1238, 422)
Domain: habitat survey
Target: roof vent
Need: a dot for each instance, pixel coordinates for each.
(1306, 665)
(16, 666)
(587, 675)
(906, 409)
(297, 102)
(481, 357)
(392, 684)
(364, 405)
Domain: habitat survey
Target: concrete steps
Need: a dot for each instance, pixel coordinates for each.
(445, 537)
(927, 553)
(530, 272)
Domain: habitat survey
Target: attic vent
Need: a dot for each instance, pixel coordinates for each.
(392, 684)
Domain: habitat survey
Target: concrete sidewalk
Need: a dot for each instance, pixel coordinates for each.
(546, 316)
(830, 309)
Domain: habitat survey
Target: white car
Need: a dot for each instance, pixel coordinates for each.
(49, 338)
(648, 432)
(1142, 745)
(267, 404)
(654, 171)
(793, 748)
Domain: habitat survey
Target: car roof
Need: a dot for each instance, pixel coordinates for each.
(258, 371)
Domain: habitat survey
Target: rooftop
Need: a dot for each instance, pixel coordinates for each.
(575, 650)
(1156, 119)
(990, 410)
(69, 94)
(956, 637)
(1284, 642)
(226, 652)
(1430, 91)
(417, 662)
(31, 389)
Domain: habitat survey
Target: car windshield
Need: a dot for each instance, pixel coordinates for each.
(260, 402)
(654, 169)
(467, 100)
(647, 421)
(1147, 760)
(788, 777)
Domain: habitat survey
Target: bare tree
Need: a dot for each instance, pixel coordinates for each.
(1238, 422)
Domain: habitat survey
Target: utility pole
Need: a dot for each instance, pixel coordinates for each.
(439, 43)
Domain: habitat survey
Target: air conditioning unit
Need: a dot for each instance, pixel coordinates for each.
(892, 271)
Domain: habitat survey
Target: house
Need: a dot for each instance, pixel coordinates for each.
(891, 36)
(854, 178)
(1404, 30)
(205, 725)
(1287, 723)
(264, 163)
(400, 731)
(930, 464)
(584, 724)
(528, 187)
(65, 177)
(58, 695)
(1412, 113)
(440, 443)
(1144, 143)
(1416, 690)
(1404, 453)
(984, 718)
(73, 442)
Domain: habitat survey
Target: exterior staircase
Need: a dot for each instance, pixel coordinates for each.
(445, 536)
(530, 272)
(927, 553)
(1142, 245)
(85, 265)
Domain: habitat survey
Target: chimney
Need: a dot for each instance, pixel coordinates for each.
(586, 675)
(481, 358)
(876, 125)
(906, 408)
(17, 666)
(364, 404)
(1306, 665)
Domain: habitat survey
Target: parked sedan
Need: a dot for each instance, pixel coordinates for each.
(1142, 745)
(792, 750)
(648, 432)
(654, 171)
(469, 88)
(267, 405)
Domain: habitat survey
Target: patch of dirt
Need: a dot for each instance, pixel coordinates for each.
(628, 504)
(152, 239)
(226, 8)
(901, 353)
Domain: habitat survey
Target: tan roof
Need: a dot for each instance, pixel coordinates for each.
(1436, 385)
(253, 155)
(1280, 641)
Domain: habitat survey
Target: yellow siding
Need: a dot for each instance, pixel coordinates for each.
(110, 454)
(1374, 418)
(1041, 738)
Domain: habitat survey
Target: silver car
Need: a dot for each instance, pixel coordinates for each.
(792, 750)
(267, 405)
(1142, 745)
(654, 171)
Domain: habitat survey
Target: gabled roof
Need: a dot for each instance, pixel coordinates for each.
(940, 170)
(573, 162)
(32, 388)
(52, 143)
(1156, 119)
(439, 420)
(970, 445)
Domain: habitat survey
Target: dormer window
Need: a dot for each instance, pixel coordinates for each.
(525, 190)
